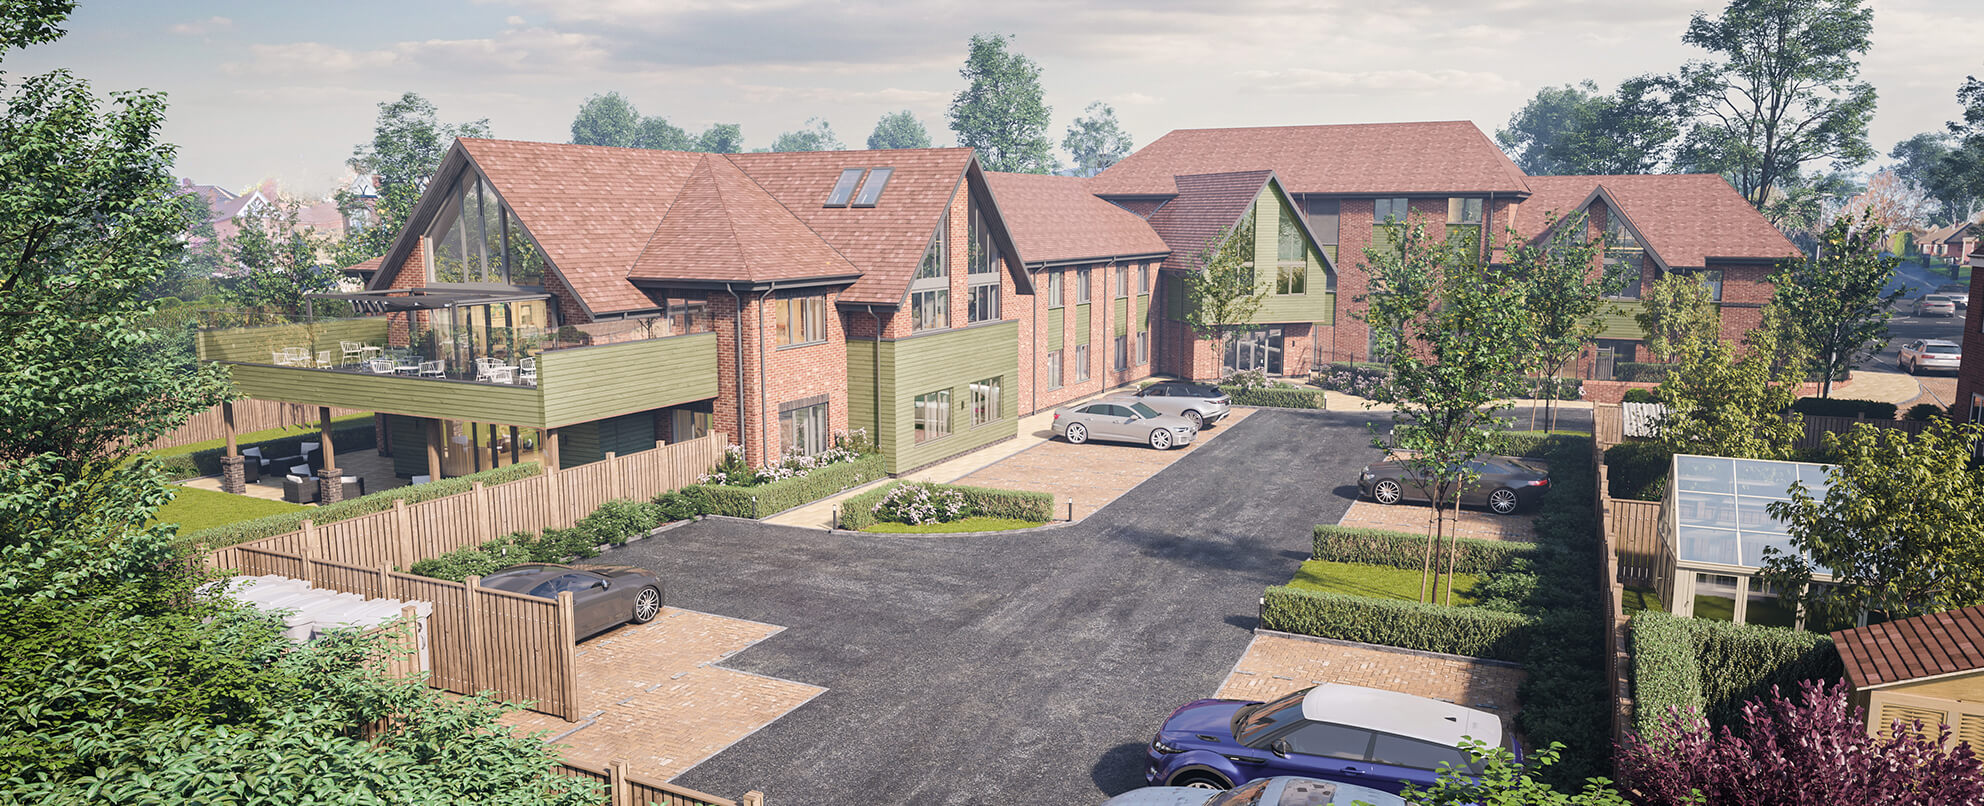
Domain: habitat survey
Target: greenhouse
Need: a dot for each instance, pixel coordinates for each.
(1716, 523)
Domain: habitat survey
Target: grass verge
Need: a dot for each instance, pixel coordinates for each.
(966, 525)
(1375, 581)
(195, 509)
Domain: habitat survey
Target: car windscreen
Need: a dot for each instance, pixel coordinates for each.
(1253, 719)
(1144, 411)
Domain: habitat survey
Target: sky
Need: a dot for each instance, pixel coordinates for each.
(286, 90)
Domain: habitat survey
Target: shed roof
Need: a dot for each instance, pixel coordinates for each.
(1934, 645)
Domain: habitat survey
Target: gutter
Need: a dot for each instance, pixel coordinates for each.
(761, 368)
(737, 327)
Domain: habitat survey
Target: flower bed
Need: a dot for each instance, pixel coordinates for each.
(737, 490)
(875, 506)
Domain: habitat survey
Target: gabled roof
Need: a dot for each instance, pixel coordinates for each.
(1683, 220)
(1055, 219)
(1934, 645)
(1206, 206)
(1938, 234)
(724, 227)
(1443, 157)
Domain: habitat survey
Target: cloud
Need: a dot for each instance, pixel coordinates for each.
(201, 27)
(1310, 81)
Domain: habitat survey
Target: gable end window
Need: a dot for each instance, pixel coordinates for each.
(476, 238)
(929, 293)
(982, 273)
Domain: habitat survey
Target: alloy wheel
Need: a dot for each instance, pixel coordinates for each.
(646, 604)
(1387, 492)
(1160, 439)
(1077, 434)
(1502, 501)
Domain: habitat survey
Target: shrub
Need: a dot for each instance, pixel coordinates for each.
(918, 504)
(1528, 444)
(350, 436)
(1352, 379)
(778, 496)
(1404, 550)
(1246, 380)
(1275, 397)
(858, 512)
(733, 471)
(1714, 666)
(1926, 411)
(244, 531)
(1638, 395)
(1844, 407)
(1390, 622)
(1637, 470)
(678, 505)
(611, 524)
(1636, 372)
(1666, 674)
(1557, 388)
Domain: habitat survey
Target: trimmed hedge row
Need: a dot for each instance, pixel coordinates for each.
(770, 499)
(1637, 470)
(1402, 550)
(244, 531)
(1844, 407)
(1666, 673)
(1275, 397)
(1391, 622)
(858, 512)
(610, 525)
(350, 436)
(1714, 666)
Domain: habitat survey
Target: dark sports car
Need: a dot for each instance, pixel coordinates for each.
(603, 596)
(1504, 484)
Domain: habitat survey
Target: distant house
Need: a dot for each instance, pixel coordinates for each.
(227, 209)
(1953, 242)
(1926, 668)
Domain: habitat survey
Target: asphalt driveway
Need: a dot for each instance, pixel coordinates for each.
(1018, 668)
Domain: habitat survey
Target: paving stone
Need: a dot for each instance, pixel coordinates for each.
(1275, 665)
(1412, 518)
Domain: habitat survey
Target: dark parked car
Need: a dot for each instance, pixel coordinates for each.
(603, 596)
(1287, 790)
(1202, 403)
(1504, 484)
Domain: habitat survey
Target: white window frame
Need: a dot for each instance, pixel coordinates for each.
(932, 416)
(1055, 359)
(814, 420)
(1081, 363)
(987, 401)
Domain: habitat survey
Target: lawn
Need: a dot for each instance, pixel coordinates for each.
(195, 509)
(1637, 599)
(1376, 581)
(966, 525)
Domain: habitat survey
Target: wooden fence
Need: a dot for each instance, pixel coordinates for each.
(249, 416)
(408, 533)
(1816, 428)
(622, 788)
(1607, 427)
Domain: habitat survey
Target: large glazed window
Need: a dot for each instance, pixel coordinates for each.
(1623, 255)
(804, 430)
(477, 239)
(1289, 247)
(933, 415)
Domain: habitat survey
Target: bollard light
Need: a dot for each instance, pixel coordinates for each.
(1071, 510)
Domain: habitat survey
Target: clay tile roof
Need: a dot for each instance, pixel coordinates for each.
(1913, 648)
(885, 241)
(1433, 157)
(724, 227)
(366, 266)
(1206, 205)
(1686, 219)
(1056, 218)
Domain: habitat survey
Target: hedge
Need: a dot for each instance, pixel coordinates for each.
(1275, 397)
(1715, 666)
(1637, 470)
(1666, 672)
(1637, 395)
(610, 525)
(1639, 372)
(778, 496)
(1844, 407)
(1391, 622)
(1926, 411)
(236, 533)
(1403, 550)
(350, 436)
(858, 512)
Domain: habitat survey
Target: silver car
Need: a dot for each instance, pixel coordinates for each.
(603, 596)
(1122, 419)
(1922, 354)
(1935, 305)
(1202, 403)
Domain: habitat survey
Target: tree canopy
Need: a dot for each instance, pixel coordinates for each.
(1563, 296)
(1096, 141)
(281, 261)
(1576, 129)
(721, 138)
(1002, 111)
(605, 120)
(408, 143)
(899, 130)
(1724, 402)
(816, 135)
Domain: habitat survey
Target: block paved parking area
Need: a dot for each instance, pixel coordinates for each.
(1413, 518)
(1093, 473)
(1278, 663)
(653, 694)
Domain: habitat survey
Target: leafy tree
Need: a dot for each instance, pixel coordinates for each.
(1674, 309)
(1956, 174)
(1575, 129)
(201, 260)
(1836, 301)
(281, 259)
(1564, 297)
(1454, 333)
(1900, 525)
(1001, 112)
(606, 120)
(815, 136)
(899, 130)
(1500, 781)
(1929, 161)
(407, 145)
(1783, 90)
(1223, 296)
(1096, 141)
(1889, 205)
(659, 134)
(1812, 751)
(721, 138)
(32, 22)
(1801, 205)
(1719, 403)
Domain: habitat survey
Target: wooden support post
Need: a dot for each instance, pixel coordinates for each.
(568, 663)
(233, 477)
(478, 671)
(613, 476)
(330, 484)
(404, 552)
(389, 588)
(309, 551)
(484, 514)
(752, 798)
(618, 790)
(516, 445)
(550, 448)
(434, 442)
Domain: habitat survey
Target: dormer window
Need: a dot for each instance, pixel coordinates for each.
(844, 188)
(871, 190)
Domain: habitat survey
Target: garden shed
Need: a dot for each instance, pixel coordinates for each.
(1928, 668)
(1716, 523)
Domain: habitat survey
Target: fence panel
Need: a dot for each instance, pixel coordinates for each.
(249, 415)
(1635, 527)
(1816, 428)
(1607, 428)
(449, 661)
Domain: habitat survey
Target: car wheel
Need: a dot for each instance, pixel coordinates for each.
(1387, 492)
(1198, 420)
(1198, 780)
(1504, 502)
(647, 604)
(1913, 369)
(1077, 434)
(1160, 439)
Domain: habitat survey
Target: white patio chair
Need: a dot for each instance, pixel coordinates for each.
(279, 358)
(326, 359)
(501, 374)
(433, 369)
(380, 366)
(351, 352)
(298, 356)
(527, 370)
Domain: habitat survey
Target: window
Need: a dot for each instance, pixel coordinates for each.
(802, 320)
(984, 258)
(844, 187)
(690, 425)
(1623, 256)
(1330, 741)
(982, 272)
(1611, 353)
(1120, 357)
(550, 588)
(1463, 211)
(930, 310)
(803, 429)
(1713, 279)
(1399, 751)
(1055, 281)
(1254, 349)
(1292, 280)
(982, 302)
(1081, 363)
(1389, 210)
(936, 263)
(1081, 286)
(1143, 347)
(1325, 218)
(930, 296)
(477, 239)
(1289, 247)
(1143, 278)
(1054, 369)
(1976, 408)
(871, 190)
(1122, 282)
(686, 315)
(985, 401)
(933, 416)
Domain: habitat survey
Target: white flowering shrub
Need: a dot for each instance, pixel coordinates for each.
(735, 472)
(918, 504)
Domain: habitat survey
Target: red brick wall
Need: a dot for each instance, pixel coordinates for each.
(794, 372)
(723, 313)
(1970, 377)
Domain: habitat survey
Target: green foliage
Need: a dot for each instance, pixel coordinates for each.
(963, 526)
(281, 263)
(1844, 407)
(721, 138)
(236, 533)
(610, 525)
(1637, 470)
(1409, 625)
(1667, 675)
(1835, 301)
(1574, 129)
(1096, 141)
(1673, 310)
(816, 135)
(899, 130)
(194, 509)
(1376, 582)
(772, 498)
(408, 142)
(1500, 781)
(605, 120)
(32, 22)
(1002, 111)
(679, 505)
(346, 436)
(1402, 550)
(1556, 288)
(1720, 404)
(858, 512)
(1276, 397)
(1639, 372)
(1637, 395)
(1900, 525)
(1534, 444)
(1712, 667)
(1222, 297)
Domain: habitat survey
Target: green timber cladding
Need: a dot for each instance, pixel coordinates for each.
(1615, 319)
(1081, 323)
(893, 372)
(1056, 319)
(1143, 313)
(1318, 303)
(586, 443)
(1121, 316)
(253, 344)
(409, 440)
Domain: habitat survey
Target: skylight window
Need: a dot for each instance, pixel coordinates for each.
(844, 187)
(871, 190)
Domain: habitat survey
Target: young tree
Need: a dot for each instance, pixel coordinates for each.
(605, 120)
(1900, 525)
(721, 138)
(1096, 141)
(1812, 751)
(899, 130)
(1719, 403)
(1673, 309)
(1783, 90)
(1001, 112)
(815, 136)
(282, 261)
(1563, 295)
(1575, 129)
(1222, 297)
(1499, 781)
(406, 149)
(1835, 299)
(1453, 332)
